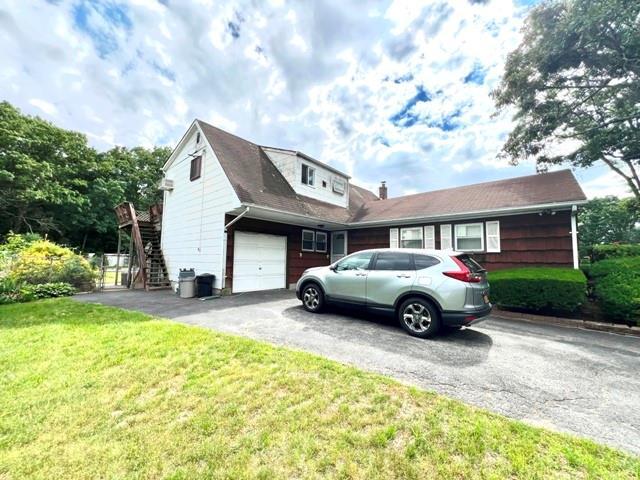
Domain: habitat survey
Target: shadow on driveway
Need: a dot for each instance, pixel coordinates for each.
(383, 332)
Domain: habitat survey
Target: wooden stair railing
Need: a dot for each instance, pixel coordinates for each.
(145, 236)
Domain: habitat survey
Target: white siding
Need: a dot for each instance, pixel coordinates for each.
(290, 165)
(193, 213)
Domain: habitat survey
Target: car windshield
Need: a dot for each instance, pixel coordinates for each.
(470, 263)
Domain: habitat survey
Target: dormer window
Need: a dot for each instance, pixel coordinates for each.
(308, 175)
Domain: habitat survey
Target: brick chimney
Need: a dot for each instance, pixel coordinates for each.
(383, 190)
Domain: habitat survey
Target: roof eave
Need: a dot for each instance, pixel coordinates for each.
(495, 212)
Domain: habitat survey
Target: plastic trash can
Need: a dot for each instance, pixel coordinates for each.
(187, 283)
(204, 284)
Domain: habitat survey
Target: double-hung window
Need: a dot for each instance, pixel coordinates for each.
(321, 242)
(411, 237)
(308, 240)
(308, 175)
(469, 237)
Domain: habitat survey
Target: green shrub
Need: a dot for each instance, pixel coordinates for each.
(601, 252)
(48, 290)
(619, 296)
(46, 262)
(559, 290)
(606, 267)
(13, 292)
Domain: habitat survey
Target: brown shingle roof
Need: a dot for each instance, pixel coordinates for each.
(543, 188)
(256, 180)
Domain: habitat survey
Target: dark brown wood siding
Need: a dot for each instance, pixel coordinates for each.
(297, 260)
(525, 240)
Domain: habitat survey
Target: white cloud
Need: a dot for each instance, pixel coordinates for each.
(46, 107)
(608, 183)
(325, 78)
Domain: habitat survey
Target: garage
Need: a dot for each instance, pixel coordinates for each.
(259, 261)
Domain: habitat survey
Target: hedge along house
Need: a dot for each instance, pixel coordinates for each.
(257, 217)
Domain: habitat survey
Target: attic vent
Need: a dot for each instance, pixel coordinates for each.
(339, 186)
(197, 138)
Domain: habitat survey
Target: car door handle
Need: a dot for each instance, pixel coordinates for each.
(403, 276)
(361, 274)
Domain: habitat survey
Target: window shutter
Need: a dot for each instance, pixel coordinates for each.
(493, 236)
(445, 237)
(393, 238)
(429, 236)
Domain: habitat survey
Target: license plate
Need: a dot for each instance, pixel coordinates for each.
(485, 297)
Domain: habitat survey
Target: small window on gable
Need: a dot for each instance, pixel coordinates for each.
(308, 175)
(196, 167)
(321, 242)
(309, 241)
(197, 138)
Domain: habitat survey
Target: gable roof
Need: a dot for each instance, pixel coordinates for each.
(257, 181)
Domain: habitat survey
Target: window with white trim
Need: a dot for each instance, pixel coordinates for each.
(411, 237)
(445, 237)
(493, 236)
(429, 236)
(469, 237)
(321, 242)
(308, 175)
(393, 238)
(308, 240)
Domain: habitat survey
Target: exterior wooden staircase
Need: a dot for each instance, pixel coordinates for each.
(144, 228)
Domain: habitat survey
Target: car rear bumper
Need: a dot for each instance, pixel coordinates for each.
(466, 317)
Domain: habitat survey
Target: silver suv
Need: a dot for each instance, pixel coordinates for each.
(425, 289)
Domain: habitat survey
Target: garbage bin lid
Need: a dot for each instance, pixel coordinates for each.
(205, 275)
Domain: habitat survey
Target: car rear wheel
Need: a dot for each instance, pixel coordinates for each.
(419, 317)
(312, 298)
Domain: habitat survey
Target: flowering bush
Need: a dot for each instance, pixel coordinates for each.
(45, 262)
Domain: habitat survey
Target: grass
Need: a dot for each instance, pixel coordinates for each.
(89, 391)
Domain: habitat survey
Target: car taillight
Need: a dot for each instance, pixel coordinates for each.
(464, 274)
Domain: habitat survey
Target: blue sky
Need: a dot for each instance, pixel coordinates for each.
(392, 90)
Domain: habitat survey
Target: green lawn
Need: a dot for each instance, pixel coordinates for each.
(88, 391)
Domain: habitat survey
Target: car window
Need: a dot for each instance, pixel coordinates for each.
(359, 261)
(470, 263)
(424, 261)
(393, 261)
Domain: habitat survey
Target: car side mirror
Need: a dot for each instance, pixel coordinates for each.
(333, 268)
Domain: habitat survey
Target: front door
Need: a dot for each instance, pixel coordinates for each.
(338, 245)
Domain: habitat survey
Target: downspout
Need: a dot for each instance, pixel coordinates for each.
(574, 236)
(224, 246)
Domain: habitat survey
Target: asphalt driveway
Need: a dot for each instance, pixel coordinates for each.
(577, 381)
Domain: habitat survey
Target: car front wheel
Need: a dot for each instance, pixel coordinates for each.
(419, 317)
(312, 298)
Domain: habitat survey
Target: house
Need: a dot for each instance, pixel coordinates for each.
(256, 217)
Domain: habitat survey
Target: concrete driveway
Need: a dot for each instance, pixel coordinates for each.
(577, 381)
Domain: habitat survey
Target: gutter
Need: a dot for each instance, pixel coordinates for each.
(223, 277)
(434, 218)
(246, 210)
(498, 212)
(574, 236)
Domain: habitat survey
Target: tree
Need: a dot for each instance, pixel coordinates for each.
(608, 220)
(52, 182)
(44, 173)
(574, 81)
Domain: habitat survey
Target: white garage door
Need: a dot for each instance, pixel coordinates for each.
(259, 261)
